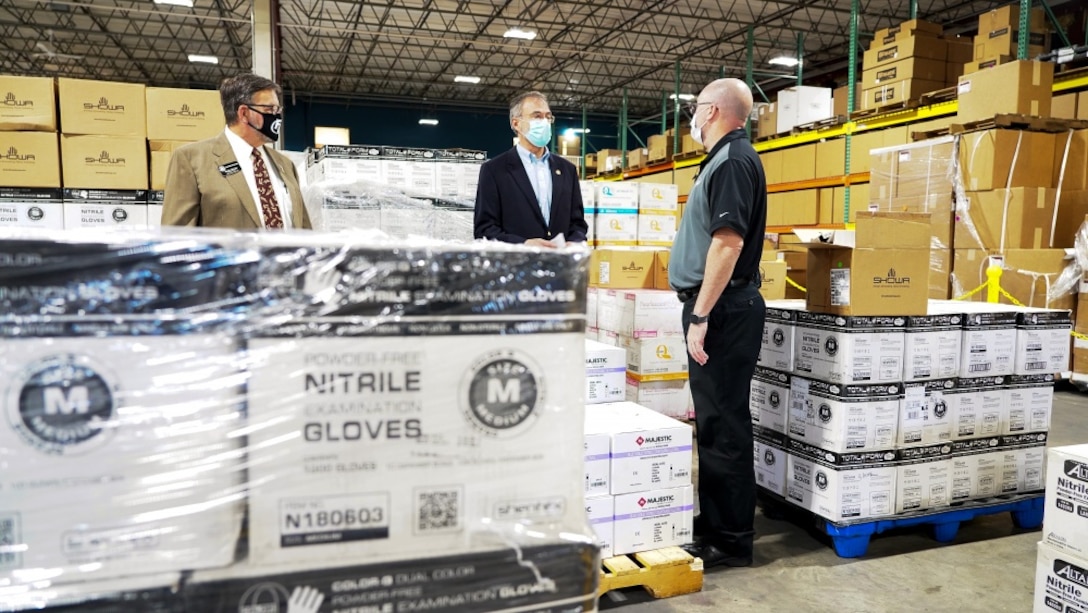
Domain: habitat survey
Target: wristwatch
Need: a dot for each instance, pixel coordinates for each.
(698, 319)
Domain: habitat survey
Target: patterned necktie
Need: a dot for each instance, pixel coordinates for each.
(269, 207)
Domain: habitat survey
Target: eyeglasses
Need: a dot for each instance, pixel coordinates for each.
(694, 106)
(274, 108)
(539, 115)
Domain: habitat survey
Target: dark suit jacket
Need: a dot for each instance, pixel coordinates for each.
(506, 206)
(197, 193)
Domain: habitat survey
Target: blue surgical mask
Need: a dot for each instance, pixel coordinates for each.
(540, 132)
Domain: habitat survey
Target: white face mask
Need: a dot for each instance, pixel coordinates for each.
(697, 130)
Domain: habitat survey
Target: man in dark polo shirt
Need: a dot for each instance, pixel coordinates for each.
(714, 268)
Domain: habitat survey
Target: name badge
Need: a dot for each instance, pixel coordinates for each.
(229, 169)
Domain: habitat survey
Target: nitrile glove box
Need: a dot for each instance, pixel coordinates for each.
(924, 478)
(979, 407)
(989, 341)
(665, 394)
(616, 195)
(1061, 580)
(591, 307)
(769, 399)
(927, 413)
(841, 487)
(1066, 520)
(600, 511)
(606, 373)
(649, 450)
(1030, 401)
(653, 519)
(849, 349)
(598, 463)
(932, 347)
(1042, 341)
(770, 459)
(776, 346)
(664, 355)
(844, 418)
(650, 313)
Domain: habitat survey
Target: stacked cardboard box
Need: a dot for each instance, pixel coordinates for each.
(658, 213)
(638, 478)
(902, 63)
(30, 178)
(589, 207)
(800, 105)
(999, 36)
(1023, 88)
(617, 213)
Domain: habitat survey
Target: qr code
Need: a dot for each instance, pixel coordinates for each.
(9, 542)
(439, 510)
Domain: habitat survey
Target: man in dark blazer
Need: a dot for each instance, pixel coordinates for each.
(235, 180)
(528, 194)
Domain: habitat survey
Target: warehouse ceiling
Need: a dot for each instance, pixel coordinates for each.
(407, 52)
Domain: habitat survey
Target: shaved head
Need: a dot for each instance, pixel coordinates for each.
(733, 97)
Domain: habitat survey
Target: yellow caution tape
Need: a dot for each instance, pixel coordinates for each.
(972, 292)
(794, 283)
(1078, 335)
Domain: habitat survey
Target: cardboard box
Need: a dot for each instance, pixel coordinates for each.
(1042, 341)
(1026, 275)
(860, 146)
(830, 158)
(606, 373)
(908, 28)
(105, 208)
(665, 394)
(771, 460)
(600, 512)
(975, 468)
(932, 347)
(650, 313)
(621, 195)
(1005, 41)
(986, 159)
(102, 108)
(976, 65)
(689, 145)
(183, 114)
(844, 418)
(658, 198)
(847, 486)
(657, 229)
(776, 346)
(1061, 578)
(850, 349)
(914, 177)
(1071, 163)
(1009, 15)
(979, 407)
(1082, 105)
(926, 416)
(597, 462)
(773, 276)
(616, 227)
(961, 49)
(801, 104)
(659, 148)
(1031, 402)
(1018, 218)
(923, 478)
(989, 337)
(772, 166)
(653, 519)
(161, 151)
(769, 399)
(884, 270)
(104, 162)
(768, 120)
(913, 47)
(921, 69)
(896, 136)
(648, 450)
(29, 103)
(1017, 87)
(1067, 500)
(799, 163)
(29, 159)
(796, 208)
(839, 100)
(637, 158)
(1064, 106)
(826, 207)
(661, 357)
(622, 268)
(31, 212)
(898, 91)
(661, 270)
(859, 199)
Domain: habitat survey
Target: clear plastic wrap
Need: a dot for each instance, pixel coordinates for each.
(210, 421)
(336, 206)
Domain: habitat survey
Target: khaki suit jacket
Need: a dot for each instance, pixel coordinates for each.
(199, 194)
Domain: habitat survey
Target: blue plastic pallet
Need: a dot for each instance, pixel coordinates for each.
(852, 540)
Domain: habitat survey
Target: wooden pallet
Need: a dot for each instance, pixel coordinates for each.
(940, 95)
(658, 161)
(1020, 122)
(687, 155)
(830, 122)
(905, 105)
(927, 134)
(662, 572)
(760, 139)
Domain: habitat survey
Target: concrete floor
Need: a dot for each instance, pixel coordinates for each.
(989, 568)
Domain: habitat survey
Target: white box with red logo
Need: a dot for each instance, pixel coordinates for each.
(600, 512)
(649, 450)
(606, 373)
(653, 519)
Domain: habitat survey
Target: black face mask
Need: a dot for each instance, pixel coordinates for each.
(271, 126)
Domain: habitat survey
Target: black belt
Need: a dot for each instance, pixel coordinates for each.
(687, 294)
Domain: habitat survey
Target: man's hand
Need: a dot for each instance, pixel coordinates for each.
(539, 242)
(696, 336)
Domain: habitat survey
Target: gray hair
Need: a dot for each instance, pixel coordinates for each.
(515, 104)
(240, 89)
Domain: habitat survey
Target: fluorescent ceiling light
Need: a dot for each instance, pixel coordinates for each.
(578, 130)
(783, 60)
(428, 122)
(682, 96)
(203, 59)
(466, 79)
(519, 33)
(188, 3)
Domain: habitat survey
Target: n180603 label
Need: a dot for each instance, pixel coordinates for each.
(333, 519)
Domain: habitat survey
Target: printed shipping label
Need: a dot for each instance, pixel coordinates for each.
(840, 287)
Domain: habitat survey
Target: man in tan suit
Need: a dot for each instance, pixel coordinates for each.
(234, 180)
